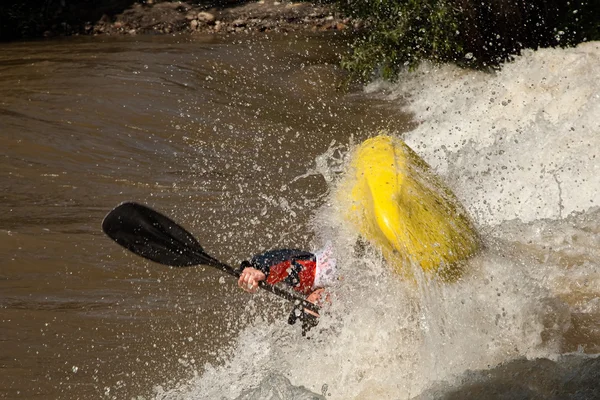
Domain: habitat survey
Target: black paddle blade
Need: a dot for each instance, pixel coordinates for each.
(152, 235)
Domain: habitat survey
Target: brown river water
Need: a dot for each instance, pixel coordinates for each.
(217, 133)
(241, 140)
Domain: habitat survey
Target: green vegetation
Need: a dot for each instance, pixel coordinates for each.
(402, 33)
(478, 33)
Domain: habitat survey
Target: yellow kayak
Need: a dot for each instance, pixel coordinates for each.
(401, 207)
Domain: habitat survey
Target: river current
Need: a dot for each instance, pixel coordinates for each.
(243, 141)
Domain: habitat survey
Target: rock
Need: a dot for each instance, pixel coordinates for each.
(160, 16)
(239, 23)
(206, 17)
(277, 387)
(105, 19)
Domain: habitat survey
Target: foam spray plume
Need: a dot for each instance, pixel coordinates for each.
(519, 149)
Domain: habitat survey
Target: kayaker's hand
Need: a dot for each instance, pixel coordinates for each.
(315, 298)
(249, 279)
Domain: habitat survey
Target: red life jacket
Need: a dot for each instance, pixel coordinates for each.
(296, 268)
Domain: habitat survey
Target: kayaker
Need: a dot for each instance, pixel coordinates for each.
(307, 273)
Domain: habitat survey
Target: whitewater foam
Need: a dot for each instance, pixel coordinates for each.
(520, 143)
(519, 149)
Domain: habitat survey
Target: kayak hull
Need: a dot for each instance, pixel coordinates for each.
(401, 207)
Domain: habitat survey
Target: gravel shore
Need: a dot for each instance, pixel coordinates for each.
(260, 16)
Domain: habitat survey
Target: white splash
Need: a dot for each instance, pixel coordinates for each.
(521, 144)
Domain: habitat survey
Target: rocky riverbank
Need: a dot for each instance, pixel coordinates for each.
(260, 16)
